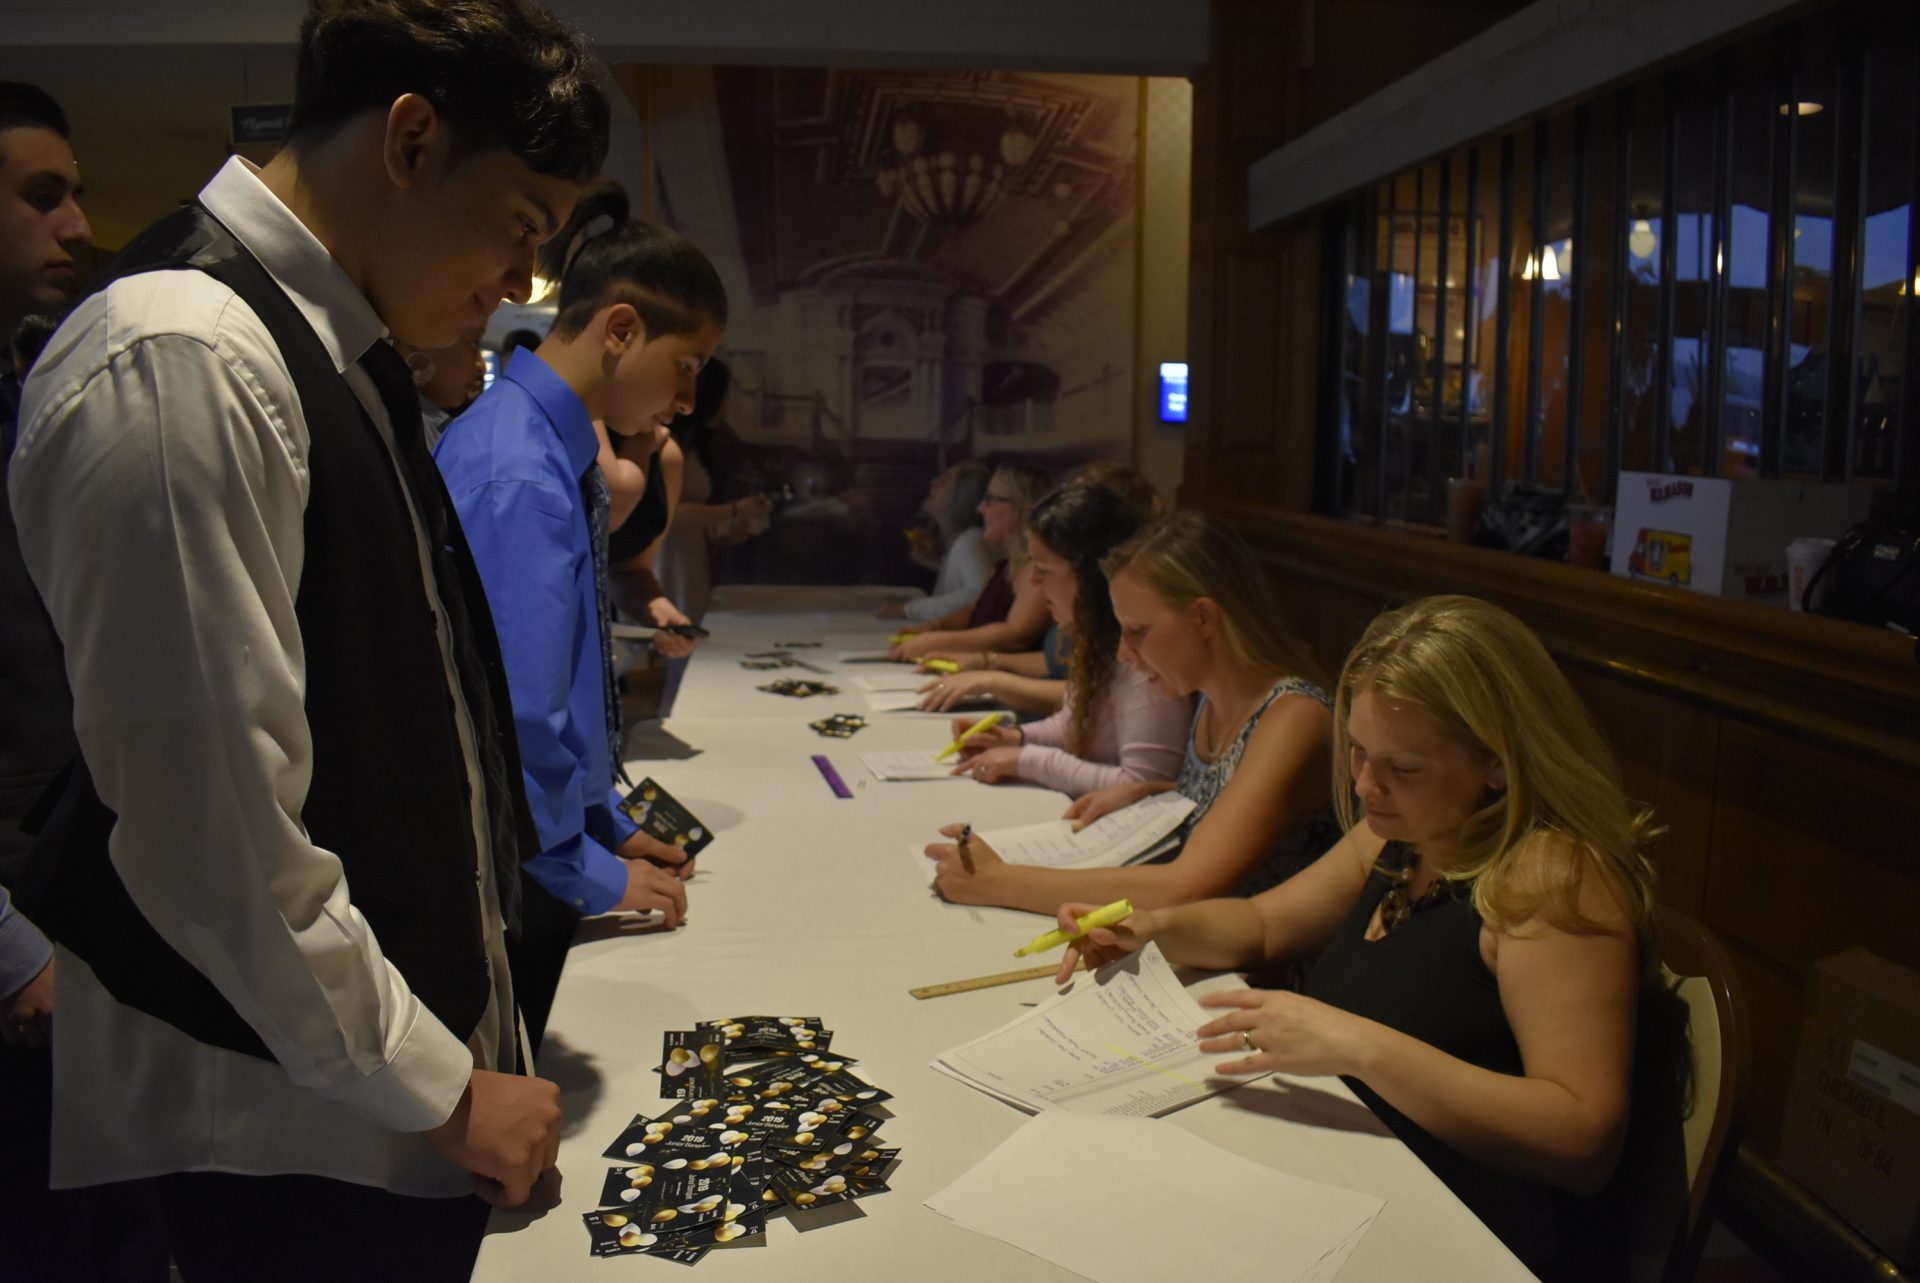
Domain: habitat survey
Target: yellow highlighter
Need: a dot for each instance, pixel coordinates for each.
(941, 665)
(988, 722)
(897, 638)
(1117, 912)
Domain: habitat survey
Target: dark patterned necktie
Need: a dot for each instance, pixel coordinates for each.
(422, 477)
(593, 490)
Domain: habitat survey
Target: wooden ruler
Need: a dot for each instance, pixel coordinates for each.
(984, 982)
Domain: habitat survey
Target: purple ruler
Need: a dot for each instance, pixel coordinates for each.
(834, 782)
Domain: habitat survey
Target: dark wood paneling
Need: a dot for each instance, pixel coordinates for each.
(1782, 750)
(1250, 374)
(1666, 753)
(1813, 850)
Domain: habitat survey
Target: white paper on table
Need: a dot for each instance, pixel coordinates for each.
(891, 701)
(785, 625)
(1125, 836)
(902, 679)
(1165, 1205)
(1119, 1042)
(908, 766)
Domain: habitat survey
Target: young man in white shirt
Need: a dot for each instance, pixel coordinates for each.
(281, 979)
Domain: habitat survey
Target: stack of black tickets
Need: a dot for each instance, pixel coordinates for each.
(798, 688)
(770, 1121)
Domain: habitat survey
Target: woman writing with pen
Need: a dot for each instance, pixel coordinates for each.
(1195, 615)
(1483, 930)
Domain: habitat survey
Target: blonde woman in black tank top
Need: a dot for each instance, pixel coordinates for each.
(1483, 930)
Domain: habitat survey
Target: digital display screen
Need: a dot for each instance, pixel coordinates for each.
(1173, 391)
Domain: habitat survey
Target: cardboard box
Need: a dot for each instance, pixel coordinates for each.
(1852, 1131)
(1728, 538)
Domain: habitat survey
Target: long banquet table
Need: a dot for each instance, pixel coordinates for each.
(808, 904)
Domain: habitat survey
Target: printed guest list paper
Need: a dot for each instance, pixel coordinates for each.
(1126, 836)
(1118, 1042)
(908, 766)
(1244, 1222)
(1118, 837)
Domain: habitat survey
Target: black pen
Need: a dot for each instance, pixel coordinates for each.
(966, 835)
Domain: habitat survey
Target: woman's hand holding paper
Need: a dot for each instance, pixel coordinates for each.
(1290, 1032)
(1089, 807)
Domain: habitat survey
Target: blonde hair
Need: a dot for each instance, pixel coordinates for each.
(1491, 686)
(1188, 556)
(1027, 484)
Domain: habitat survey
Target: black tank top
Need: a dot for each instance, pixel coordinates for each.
(1427, 979)
(648, 519)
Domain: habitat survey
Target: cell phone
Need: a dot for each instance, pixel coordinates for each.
(685, 630)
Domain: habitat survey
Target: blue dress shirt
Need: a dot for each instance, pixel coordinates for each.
(513, 463)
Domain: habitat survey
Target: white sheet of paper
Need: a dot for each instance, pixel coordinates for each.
(1127, 836)
(1119, 1042)
(1119, 837)
(893, 678)
(1167, 1205)
(891, 701)
(869, 657)
(908, 766)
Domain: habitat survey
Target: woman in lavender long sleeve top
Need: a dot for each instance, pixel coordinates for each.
(1115, 726)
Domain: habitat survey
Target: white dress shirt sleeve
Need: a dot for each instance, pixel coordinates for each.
(160, 489)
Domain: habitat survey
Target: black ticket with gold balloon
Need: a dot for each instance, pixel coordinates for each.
(652, 1210)
(692, 1065)
(772, 1034)
(660, 816)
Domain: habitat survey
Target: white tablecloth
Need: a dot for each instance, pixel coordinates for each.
(806, 904)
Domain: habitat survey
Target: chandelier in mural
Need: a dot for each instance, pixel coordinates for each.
(950, 167)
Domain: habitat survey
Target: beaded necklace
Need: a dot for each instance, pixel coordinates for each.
(1396, 906)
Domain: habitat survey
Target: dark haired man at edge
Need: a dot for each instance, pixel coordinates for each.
(48, 1236)
(296, 822)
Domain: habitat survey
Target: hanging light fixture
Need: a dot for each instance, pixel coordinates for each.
(1641, 240)
(955, 186)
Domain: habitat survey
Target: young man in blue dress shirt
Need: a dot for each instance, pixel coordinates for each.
(640, 312)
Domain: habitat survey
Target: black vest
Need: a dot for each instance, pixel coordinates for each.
(36, 713)
(390, 794)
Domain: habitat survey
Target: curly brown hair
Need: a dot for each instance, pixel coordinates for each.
(1082, 524)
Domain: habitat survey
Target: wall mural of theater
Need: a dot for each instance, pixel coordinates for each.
(924, 267)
